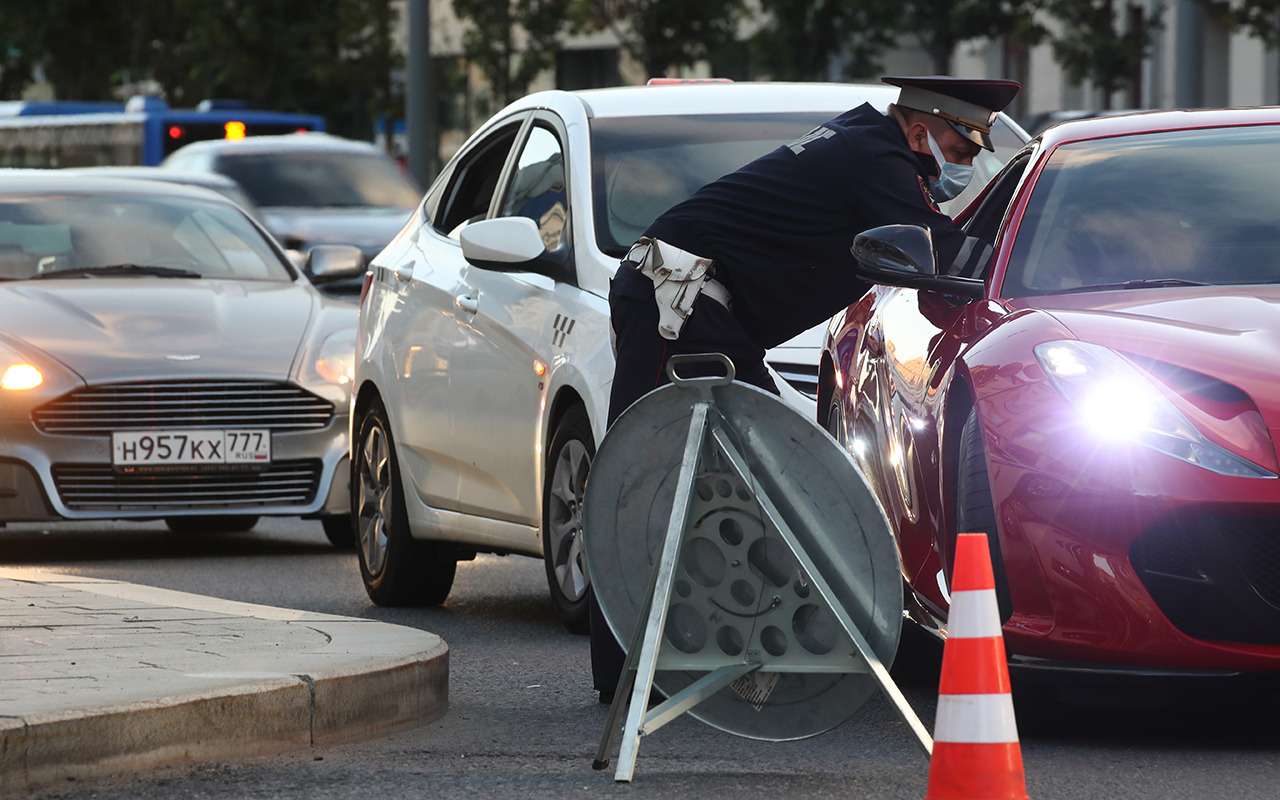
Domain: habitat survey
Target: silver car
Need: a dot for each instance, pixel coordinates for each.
(312, 189)
(161, 359)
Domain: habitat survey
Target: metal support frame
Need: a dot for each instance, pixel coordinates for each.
(636, 682)
(887, 684)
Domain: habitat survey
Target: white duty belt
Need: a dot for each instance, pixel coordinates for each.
(678, 278)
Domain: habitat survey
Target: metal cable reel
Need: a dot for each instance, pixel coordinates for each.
(733, 544)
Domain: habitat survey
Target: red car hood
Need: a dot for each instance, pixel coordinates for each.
(1231, 333)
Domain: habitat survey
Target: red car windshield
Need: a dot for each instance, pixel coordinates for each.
(1177, 208)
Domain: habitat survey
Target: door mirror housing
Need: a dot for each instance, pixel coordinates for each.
(903, 255)
(504, 244)
(333, 262)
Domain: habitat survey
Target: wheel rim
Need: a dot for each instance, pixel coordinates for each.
(374, 498)
(564, 519)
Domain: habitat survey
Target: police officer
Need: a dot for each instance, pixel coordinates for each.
(763, 254)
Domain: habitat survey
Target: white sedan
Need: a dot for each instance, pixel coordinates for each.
(484, 361)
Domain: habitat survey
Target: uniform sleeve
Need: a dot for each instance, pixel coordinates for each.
(889, 191)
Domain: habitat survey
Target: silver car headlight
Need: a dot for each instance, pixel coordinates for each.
(1116, 402)
(28, 377)
(335, 361)
(330, 368)
(17, 372)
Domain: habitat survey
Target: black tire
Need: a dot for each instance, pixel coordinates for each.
(408, 571)
(211, 524)
(340, 530)
(572, 438)
(975, 512)
(833, 421)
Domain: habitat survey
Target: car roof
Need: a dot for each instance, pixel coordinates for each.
(1157, 121)
(190, 177)
(718, 98)
(43, 181)
(290, 142)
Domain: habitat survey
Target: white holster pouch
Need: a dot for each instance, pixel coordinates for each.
(678, 278)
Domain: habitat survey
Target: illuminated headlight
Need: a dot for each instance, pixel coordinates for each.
(18, 373)
(1118, 403)
(336, 360)
(20, 377)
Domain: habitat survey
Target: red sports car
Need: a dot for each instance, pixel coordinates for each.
(1095, 383)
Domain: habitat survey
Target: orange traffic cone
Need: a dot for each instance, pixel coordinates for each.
(975, 752)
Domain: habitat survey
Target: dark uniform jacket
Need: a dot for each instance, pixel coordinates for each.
(780, 229)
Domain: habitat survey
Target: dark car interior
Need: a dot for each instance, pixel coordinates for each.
(984, 224)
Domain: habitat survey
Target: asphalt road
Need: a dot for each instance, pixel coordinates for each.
(523, 721)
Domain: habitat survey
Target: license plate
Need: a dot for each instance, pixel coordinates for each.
(190, 448)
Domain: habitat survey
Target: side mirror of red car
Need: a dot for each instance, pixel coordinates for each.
(902, 255)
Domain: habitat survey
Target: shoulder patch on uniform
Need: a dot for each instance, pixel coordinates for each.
(928, 197)
(820, 132)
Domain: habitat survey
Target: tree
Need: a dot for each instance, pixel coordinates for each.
(85, 47)
(336, 59)
(800, 38)
(329, 57)
(941, 25)
(1260, 18)
(1092, 47)
(490, 43)
(662, 34)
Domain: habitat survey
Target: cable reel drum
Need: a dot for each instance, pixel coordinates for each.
(737, 549)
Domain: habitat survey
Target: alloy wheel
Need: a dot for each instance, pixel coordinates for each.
(374, 498)
(568, 487)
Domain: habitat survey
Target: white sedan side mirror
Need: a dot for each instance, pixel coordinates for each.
(505, 244)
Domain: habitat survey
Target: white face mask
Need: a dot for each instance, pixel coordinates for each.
(953, 178)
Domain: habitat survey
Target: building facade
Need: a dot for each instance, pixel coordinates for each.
(1195, 61)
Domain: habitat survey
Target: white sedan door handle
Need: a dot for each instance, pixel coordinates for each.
(469, 303)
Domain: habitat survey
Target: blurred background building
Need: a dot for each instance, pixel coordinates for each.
(1173, 53)
(345, 60)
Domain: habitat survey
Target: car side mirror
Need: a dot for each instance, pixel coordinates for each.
(903, 255)
(333, 262)
(504, 244)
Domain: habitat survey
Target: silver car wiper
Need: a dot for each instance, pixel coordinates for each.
(116, 270)
(1140, 283)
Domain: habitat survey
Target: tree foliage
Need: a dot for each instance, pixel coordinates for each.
(329, 57)
(1260, 18)
(800, 38)
(1094, 47)
(490, 40)
(941, 25)
(663, 34)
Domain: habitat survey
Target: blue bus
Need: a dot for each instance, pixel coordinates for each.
(141, 131)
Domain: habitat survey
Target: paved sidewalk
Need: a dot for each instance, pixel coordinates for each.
(100, 677)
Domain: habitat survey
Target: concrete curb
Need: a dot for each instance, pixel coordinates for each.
(369, 679)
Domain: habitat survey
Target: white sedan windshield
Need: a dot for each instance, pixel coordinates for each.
(643, 166)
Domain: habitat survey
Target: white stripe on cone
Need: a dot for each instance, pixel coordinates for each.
(974, 615)
(975, 719)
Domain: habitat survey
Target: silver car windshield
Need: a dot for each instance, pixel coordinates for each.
(643, 166)
(52, 235)
(1160, 209)
(320, 179)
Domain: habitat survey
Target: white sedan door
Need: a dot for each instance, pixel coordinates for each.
(518, 320)
(435, 339)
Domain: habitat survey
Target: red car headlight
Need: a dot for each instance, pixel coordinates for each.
(1116, 402)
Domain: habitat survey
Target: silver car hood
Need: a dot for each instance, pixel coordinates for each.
(118, 329)
(370, 229)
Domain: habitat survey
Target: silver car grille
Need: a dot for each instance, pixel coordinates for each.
(97, 487)
(804, 377)
(103, 408)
